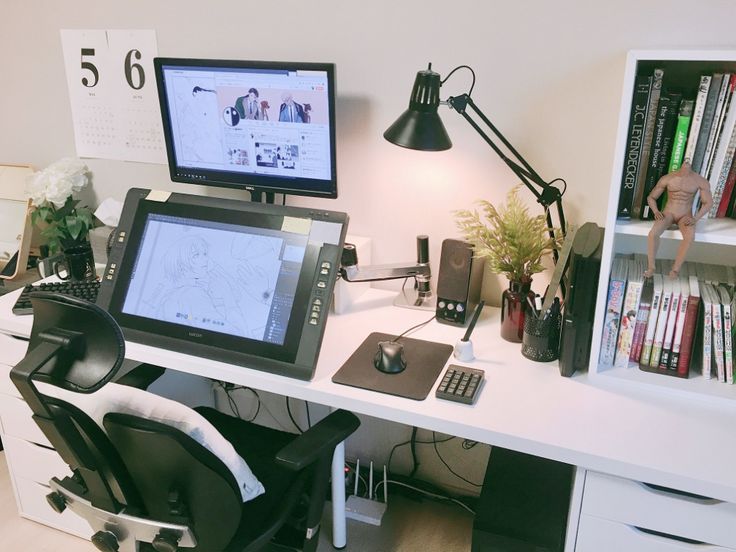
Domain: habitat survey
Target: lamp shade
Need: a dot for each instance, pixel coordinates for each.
(420, 126)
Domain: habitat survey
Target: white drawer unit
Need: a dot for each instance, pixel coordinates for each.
(632, 505)
(17, 421)
(12, 351)
(602, 535)
(33, 505)
(35, 462)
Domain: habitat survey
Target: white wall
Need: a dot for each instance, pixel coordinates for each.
(549, 76)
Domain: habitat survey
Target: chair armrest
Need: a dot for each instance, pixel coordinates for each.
(320, 439)
(141, 376)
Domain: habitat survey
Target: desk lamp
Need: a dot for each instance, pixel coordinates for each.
(421, 128)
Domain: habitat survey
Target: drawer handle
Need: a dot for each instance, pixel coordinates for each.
(700, 499)
(667, 536)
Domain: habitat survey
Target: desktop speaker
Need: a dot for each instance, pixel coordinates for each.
(458, 282)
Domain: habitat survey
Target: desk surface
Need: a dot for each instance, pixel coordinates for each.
(524, 405)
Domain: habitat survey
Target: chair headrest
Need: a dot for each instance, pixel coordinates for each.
(99, 346)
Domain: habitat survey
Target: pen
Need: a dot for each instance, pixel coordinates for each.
(471, 327)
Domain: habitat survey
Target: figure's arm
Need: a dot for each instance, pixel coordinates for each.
(654, 195)
(706, 200)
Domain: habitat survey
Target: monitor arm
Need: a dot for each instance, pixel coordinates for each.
(420, 297)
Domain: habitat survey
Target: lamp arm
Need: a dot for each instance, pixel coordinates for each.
(545, 193)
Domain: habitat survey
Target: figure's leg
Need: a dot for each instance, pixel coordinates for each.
(688, 236)
(658, 227)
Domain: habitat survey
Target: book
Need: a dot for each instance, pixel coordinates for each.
(637, 118)
(669, 331)
(664, 129)
(674, 353)
(629, 310)
(657, 289)
(728, 190)
(717, 333)
(642, 317)
(698, 111)
(683, 125)
(681, 357)
(706, 332)
(727, 336)
(664, 311)
(723, 158)
(646, 145)
(612, 320)
(707, 122)
(715, 128)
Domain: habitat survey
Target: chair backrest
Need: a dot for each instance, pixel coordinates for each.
(179, 480)
(142, 466)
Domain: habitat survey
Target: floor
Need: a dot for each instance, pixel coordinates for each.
(408, 526)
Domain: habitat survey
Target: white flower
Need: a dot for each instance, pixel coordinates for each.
(57, 182)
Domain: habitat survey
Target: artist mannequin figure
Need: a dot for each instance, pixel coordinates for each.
(681, 186)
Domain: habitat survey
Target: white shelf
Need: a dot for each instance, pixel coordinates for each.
(696, 387)
(721, 231)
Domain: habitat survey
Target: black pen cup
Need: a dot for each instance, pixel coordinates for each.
(541, 340)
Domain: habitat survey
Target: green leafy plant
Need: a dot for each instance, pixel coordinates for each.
(513, 241)
(63, 222)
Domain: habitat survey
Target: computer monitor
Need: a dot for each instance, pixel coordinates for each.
(259, 126)
(242, 282)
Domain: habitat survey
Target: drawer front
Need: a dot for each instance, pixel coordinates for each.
(602, 535)
(17, 421)
(31, 461)
(33, 505)
(635, 504)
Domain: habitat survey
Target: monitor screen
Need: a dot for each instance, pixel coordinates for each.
(253, 125)
(237, 281)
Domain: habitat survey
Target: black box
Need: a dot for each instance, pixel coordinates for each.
(524, 504)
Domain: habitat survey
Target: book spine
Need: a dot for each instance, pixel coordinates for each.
(612, 322)
(637, 343)
(727, 344)
(646, 350)
(715, 127)
(717, 333)
(664, 359)
(628, 324)
(683, 124)
(724, 158)
(637, 119)
(646, 146)
(653, 171)
(659, 332)
(688, 335)
(727, 191)
(698, 112)
(707, 341)
(705, 126)
(677, 337)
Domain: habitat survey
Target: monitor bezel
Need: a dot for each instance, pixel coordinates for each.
(246, 181)
(298, 355)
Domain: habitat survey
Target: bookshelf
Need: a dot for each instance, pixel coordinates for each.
(715, 240)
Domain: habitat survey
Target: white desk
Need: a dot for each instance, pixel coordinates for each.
(525, 406)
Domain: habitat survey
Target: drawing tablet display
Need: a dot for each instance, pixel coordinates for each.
(242, 282)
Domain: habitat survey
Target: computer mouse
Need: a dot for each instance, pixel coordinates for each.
(390, 357)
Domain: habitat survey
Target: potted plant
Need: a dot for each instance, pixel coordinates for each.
(64, 224)
(514, 243)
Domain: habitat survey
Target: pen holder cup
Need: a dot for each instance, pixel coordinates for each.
(541, 341)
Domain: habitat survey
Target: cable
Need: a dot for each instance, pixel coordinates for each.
(453, 472)
(468, 444)
(414, 328)
(472, 85)
(422, 491)
(291, 417)
(414, 459)
(404, 443)
(309, 417)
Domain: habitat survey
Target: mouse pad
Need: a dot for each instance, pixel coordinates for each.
(424, 362)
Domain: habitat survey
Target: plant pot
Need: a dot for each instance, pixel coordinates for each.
(513, 308)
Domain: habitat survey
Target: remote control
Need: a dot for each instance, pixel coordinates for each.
(460, 384)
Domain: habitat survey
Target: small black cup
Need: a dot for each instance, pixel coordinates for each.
(79, 264)
(541, 341)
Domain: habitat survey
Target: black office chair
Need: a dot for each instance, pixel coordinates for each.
(144, 485)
